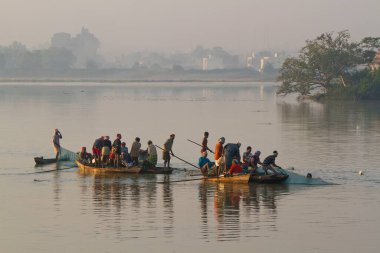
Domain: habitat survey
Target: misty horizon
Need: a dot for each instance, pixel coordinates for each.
(169, 25)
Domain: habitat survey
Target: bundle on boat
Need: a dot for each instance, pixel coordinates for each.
(65, 155)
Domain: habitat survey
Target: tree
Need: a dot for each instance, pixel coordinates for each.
(322, 64)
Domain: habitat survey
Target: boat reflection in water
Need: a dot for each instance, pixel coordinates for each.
(130, 207)
(238, 210)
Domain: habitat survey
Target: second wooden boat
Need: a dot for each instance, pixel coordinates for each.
(237, 178)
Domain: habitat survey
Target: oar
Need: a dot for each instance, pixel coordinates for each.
(200, 145)
(180, 158)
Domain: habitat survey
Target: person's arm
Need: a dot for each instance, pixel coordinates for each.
(59, 134)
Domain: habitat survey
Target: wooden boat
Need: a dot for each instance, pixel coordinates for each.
(157, 170)
(41, 161)
(83, 168)
(237, 178)
(268, 179)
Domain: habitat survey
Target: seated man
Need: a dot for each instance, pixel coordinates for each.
(255, 160)
(83, 156)
(235, 167)
(269, 163)
(205, 165)
(124, 153)
(247, 158)
(152, 153)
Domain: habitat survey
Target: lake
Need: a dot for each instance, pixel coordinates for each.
(64, 211)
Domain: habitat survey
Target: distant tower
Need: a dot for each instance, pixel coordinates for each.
(205, 63)
(263, 61)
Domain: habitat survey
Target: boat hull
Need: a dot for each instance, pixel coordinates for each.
(129, 170)
(267, 179)
(96, 170)
(41, 161)
(239, 179)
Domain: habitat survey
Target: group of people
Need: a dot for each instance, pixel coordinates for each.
(227, 156)
(228, 160)
(106, 153)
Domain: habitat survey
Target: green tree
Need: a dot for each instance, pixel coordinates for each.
(322, 64)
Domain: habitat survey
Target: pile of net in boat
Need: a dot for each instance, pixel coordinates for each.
(67, 155)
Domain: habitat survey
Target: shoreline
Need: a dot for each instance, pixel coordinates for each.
(130, 81)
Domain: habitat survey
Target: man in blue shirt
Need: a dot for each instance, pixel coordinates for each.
(205, 165)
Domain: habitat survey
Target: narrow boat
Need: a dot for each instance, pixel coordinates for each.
(268, 179)
(84, 168)
(157, 170)
(41, 160)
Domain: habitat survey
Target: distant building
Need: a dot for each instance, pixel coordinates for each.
(249, 62)
(205, 63)
(376, 62)
(263, 62)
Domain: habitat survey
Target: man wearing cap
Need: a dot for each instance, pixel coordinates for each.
(270, 162)
(168, 145)
(218, 154)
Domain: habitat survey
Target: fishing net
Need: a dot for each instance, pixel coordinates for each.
(67, 155)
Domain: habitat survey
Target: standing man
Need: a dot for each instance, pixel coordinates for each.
(97, 147)
(218, 154)
(56, 145)
(270, 162)
(204, 143)
(117, 145)
(167, 151)
(135, 151)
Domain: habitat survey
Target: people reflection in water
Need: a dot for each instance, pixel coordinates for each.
(237, 204)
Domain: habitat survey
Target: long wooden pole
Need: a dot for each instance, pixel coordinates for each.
(199, 145)
(180, 158)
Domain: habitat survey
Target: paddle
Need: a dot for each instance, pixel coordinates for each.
(180, 158)
(200, 145)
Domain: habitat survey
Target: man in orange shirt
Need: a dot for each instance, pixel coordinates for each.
(218, 156)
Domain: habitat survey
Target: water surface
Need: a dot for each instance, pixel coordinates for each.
(64, 211)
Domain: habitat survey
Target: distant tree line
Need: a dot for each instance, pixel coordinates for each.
(77, 56)
(331, 66)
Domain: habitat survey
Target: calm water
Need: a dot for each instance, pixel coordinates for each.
(64, 211)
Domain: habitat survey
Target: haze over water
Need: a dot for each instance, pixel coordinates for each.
(64, 211)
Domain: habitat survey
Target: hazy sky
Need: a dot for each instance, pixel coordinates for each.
(167, 25)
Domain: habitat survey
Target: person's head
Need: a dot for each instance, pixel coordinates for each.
(83, 149)
(137, 139)
(309, 176)
(172, 136)
(204, 153)
(123, 144)
(118, 136)
(222, 140)
(206, 134)
(56, 130)
(249, 149)
(102, 137)
(106, 137)
(257, 153)
(150, 142)
(239, 144)
(275, 153)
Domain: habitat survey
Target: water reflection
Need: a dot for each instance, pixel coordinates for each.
(238, 210)
(130, 206)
